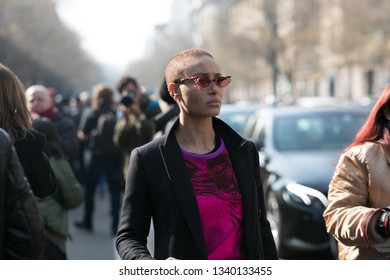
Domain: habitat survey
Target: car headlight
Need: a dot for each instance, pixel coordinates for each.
(307, 196)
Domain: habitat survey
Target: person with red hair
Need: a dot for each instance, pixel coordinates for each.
(358, 214)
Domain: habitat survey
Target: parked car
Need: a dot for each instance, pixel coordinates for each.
(236, 115)
(321, 101)
(299, 148)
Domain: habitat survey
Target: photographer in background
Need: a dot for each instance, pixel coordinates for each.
(128, 87)
(135, 112)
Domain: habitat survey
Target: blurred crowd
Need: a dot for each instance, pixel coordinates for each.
(54, 154)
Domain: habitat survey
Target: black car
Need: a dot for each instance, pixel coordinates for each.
(299, 148)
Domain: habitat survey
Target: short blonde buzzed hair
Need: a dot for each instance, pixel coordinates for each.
(180, 62)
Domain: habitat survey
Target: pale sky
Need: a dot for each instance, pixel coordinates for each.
(114, 31)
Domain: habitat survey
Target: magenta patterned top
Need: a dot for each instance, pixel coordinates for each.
(219, 201)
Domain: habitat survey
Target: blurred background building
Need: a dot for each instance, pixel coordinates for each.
(280, 48)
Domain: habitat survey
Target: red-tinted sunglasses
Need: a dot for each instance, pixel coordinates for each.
(204, 82)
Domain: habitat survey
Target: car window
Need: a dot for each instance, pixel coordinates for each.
(236, 116)
(258, 131)
(250, 126)
(236, 120)
(317, 131)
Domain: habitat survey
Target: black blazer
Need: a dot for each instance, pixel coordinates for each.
(157, 186)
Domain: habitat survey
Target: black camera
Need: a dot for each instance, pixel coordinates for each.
(127, 98)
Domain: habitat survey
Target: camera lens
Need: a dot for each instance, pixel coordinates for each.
(127, 98)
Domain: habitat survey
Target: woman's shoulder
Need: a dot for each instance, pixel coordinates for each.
(154, 143)
(5, 144)
(5, 137)
(33, 141)
(365, 151)
(365, 147)
(152, 149)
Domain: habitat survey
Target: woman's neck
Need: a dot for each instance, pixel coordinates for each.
(196, 137)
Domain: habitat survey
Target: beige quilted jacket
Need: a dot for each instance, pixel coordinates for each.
(359, 187)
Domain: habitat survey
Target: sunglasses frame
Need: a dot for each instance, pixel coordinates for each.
(195, 80)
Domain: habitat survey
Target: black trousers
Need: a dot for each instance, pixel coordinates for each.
(111, 167)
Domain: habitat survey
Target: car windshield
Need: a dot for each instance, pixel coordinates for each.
(317, 131)
(237, 117)
(236, 120)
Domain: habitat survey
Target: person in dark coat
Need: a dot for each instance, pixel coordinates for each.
(22, 234)
(199, 183)
(69, 194)
(29, 143)
(40, 104)
(104, 160)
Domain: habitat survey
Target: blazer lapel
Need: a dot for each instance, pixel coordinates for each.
(181, 184)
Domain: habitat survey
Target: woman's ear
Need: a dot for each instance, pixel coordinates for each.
(173, 90)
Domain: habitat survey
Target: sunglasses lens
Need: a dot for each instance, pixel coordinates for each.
(204, 82)
(223, 82)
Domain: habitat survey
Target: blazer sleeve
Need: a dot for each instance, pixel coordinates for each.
(136, 213)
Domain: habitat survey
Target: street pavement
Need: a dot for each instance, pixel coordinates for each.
(98, 244)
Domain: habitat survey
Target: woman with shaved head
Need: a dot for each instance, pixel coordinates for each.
(199, 183)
